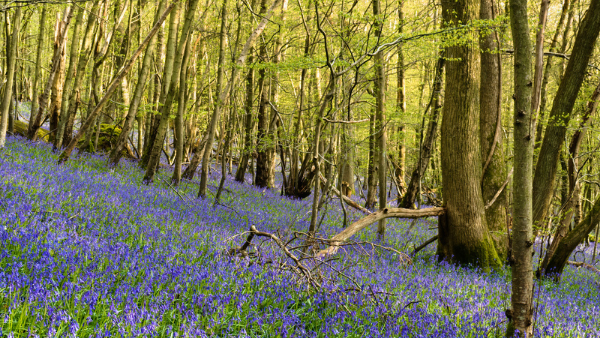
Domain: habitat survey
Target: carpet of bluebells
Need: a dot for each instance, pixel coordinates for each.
(86, 251)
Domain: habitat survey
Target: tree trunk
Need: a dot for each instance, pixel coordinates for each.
(55, 79)
(426, 149)
(248, 120)
(69, 79)
(379, 90)
(10, 76)
(463, 234)
(115, 155)
(64, 156)
(262, 169)
(223, 95)
(520, 316)
(36, 74)
(165, 110)
(572, 195)
(179, 128)
(567, 245)
(401, 108)
(564, 25)
(545, 170)
(372, 168)
(490, 133)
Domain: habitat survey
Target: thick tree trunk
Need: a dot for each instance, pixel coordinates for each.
(545, 170)
(463, 235)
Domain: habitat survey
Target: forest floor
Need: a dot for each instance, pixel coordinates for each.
(86, 251)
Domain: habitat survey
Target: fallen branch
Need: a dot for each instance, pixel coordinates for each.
(303, 270)
(424, 245)
(585, 265)
(375, 217)
(490, 203)
(345, 122)
(346, 198)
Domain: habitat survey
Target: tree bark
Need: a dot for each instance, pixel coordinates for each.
(36, 74)
(69, 79)
(262, 140)
(557, 262)
(520, 316)
(463, 235)
(490, 133)
(10, 76)
(364, 222)
(379, 90)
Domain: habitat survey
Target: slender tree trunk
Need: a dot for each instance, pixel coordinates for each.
(563, 27)
(373, 165)
(572, 195)
(55, 78)
(69, 79)
(223, 95)
(116, 153)
(11, 53)
(379, 90)
(38, 68)
(520, 315)
(179, 128)
(545, 170)
(165, 85)
(401, 106)
(64, 156)
(248, 119)
(427, 147)
(218, 104)
(490, 133)
(262, 169)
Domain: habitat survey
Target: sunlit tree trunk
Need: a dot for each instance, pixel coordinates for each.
(10, 76)
(562, 107)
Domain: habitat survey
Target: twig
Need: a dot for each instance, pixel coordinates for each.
(424, 245)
